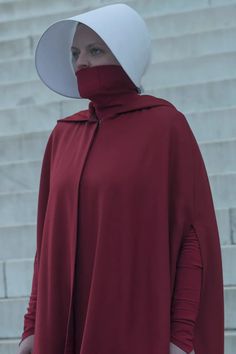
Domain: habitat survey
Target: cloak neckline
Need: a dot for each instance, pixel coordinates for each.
(111, 93)
(141, 102)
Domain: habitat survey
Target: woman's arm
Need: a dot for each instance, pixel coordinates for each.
(186, 295)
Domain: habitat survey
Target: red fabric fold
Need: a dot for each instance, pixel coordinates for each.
(187, 292)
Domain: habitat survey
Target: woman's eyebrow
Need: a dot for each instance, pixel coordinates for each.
(88, 46)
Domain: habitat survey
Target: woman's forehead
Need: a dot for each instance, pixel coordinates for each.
(83, 35)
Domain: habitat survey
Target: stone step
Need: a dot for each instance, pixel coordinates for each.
(230, 307)
(22, 93)
(192, 21)
(9, 346)
(199, 97)
(17, 273)
(230, 342)
(219, 156)
(20, 8)
(180, 5)
(229, 264)
(206, 68)
(193, 96)
(26, 25)
(180, 72)
(12, 311)
(223, 187)
(19, 176)
(11, 317)
(215, 124)
(17, 47)
(226, 222)
(19, 241)
(29, 146)
(54, 5)
(10, 9)
(172, 48)
(32, 118)
(163, 6)
(172, 24)
(16, 70)
(17, 277)
(192, 45)
(226, 219)
(18, 208)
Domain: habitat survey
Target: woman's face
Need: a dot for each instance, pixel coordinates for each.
(88, 49)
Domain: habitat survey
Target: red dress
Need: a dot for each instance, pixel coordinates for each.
(188, 279)
(141, 183)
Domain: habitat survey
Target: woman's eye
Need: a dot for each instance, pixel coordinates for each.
(95, 51)
(75, 55)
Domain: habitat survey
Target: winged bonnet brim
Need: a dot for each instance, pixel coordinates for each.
(120, 27)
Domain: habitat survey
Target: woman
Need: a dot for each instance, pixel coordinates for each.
(128, 255)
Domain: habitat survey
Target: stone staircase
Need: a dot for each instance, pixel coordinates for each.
(193, 66)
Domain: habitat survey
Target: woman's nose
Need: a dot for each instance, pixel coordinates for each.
(82, 61)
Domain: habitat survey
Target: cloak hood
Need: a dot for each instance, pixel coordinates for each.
(119, 26)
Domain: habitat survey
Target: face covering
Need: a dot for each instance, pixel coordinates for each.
(107, 86)
(94, 82)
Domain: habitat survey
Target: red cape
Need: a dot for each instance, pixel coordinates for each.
(162, 188)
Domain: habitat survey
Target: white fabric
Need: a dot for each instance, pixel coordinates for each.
(121, 28)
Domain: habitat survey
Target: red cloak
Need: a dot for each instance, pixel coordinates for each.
(150, 186)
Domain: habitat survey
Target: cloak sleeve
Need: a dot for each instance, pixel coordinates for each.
(187, 293)
(44, 186)
(191, 204)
